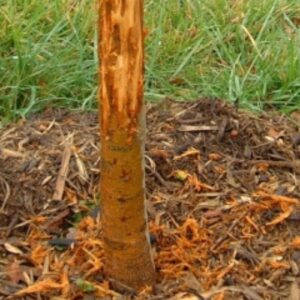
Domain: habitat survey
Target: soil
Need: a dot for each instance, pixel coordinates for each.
(223, 199)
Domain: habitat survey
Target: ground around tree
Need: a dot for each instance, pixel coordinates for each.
(223, 199)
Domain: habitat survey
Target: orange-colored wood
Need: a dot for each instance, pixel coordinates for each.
(122, 191)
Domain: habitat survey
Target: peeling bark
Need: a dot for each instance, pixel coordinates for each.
(125, 232)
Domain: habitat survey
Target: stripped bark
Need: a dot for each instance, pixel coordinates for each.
(124, 222)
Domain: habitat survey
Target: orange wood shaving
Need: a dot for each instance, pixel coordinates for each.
(87, 224)
(190, 152)
(95, 263)
(66, 287)
(225, 271)
(251, 222)
(198, 185)
(219, 296)
(296, 243)
(214, 156)
(263, 167)
(42, 286)
(278, 265)
(36, 236)
(277, 198)
(287, 211)
(38, 220)
(219, 169)
(38, 254)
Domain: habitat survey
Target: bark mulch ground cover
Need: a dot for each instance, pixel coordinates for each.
(223, 199)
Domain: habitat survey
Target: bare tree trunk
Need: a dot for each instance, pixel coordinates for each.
(122, 190)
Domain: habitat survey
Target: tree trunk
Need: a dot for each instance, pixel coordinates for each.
(122, 189)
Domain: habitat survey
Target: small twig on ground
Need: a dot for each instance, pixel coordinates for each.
(7, 187)
(64, 169)
(224, 238)
(295, 165)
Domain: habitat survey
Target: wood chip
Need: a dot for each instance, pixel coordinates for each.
(12, 249)
(10, 153)
(64, 169)
(197, 128)
(294, 291)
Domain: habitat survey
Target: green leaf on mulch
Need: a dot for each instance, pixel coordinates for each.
(85, 286)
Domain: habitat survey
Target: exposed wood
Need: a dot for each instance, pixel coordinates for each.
(124, 222)
(122, 62)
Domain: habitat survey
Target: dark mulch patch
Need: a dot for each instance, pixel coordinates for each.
(223, 198)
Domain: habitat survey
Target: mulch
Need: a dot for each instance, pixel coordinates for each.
(223, 199)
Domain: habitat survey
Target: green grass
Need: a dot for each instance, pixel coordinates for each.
(229, 49)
